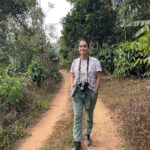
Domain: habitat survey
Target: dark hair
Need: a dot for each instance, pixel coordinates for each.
(87, 42)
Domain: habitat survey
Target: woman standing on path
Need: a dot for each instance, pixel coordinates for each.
(85, 84)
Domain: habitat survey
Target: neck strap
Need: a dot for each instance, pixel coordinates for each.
(87, 68)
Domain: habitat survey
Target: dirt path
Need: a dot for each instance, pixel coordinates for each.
(104, 133)
(44, 128)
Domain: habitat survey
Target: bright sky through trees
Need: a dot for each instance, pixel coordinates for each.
(54, 15)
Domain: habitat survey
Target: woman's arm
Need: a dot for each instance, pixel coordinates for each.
(98, 75)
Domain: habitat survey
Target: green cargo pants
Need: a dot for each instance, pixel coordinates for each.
(88, 100)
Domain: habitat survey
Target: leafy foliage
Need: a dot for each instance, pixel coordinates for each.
(90, 19)
(15, 7)
(133, 58)
(10, 93)
(44, 67)
(12, 70)
(2, 69)
(36, 71)
(144, 24)
(22, 38)
(106, 57)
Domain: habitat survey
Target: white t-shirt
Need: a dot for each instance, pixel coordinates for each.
(94, 66)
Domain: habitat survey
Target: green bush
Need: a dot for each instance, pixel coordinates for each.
(10, 93)
(2, 69)
(106, 57)
(11, 70)
(50, 61)
(36, 71)
(44, 67)
(133, 58)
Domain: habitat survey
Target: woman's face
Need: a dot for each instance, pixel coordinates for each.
(83, 47)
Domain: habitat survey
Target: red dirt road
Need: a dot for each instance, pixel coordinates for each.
(104, 134)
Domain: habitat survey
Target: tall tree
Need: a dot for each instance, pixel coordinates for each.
(21, 33)
(91, 19)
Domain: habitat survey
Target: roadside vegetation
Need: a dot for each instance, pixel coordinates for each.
(22, 109)
(29, 74)
(22, 100)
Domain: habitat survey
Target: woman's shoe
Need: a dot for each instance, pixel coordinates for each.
(77, 145)
(88, 140)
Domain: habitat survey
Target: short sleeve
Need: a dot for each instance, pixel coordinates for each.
(72, 67)
(98, 66)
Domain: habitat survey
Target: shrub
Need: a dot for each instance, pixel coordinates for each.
(11, 70)
(10, 93)
(2, 69)
(133, 58)
(106, 57)
(49, 61)
(36, 71)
